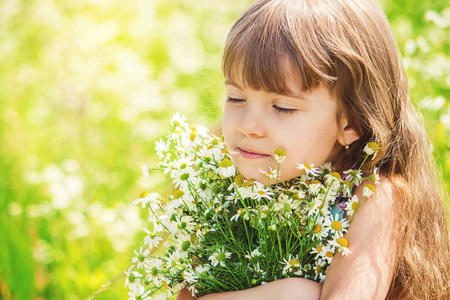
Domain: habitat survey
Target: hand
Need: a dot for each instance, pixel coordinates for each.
(185, 295)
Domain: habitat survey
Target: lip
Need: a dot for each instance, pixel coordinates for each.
(251, 154)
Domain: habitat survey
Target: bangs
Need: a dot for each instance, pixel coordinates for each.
(258, 50)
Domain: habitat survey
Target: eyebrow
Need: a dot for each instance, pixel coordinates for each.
(229, 81)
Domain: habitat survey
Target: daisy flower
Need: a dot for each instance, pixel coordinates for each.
(234, 197)
(371, 148)
(154, 271)
(153, 200)
(333, 181)
(318, 250)
(137, 293)
(162, 148)
(292, 265)
(375, 176)
(271, 173)
(255, 253)
(202, 270)
(352, 205)
(319, 267)
(178, 120)
(190, 275)
(342, 245)
(193, 289)
(309, 169)
(173, 262)
(354, 176)
(327, 253)
(226, 168)
(280, 155)
(162, 296)
(260, 192)
(133, 277)
(315, 187)
(368, 190)
(152, 239)
(182, 178)
(326, 167)
(319, 229)
(336, 225)
(241, 212)
(219, 257)
(141, 258)
(186, 223)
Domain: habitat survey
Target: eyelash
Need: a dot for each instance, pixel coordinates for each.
(278, 109)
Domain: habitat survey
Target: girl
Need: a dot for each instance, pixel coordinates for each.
(320, 79)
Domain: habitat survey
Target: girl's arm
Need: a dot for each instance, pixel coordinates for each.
(367, 272)
(284, 289)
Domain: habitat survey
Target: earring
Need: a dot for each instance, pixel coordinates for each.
(346, 147)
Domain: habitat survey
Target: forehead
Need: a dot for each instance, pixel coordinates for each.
(285, 80)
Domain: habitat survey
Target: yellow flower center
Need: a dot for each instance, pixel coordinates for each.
(143, 195)
(343, 242)
(355, 205)
(184, 176)
(294, 262)
(220, 257)
(370, 187)
(262, 193)
(193, 136)
(329, 254)
(248, 183)
(336, 175)
(319, 248)
(280, 152)
(373, 146)
(336, 225)
(317, 228)
(307, 166)
(319, 269)
(239, 180)
(178, 194)
(225, 163)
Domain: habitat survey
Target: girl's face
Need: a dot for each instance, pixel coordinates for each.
(256, 123)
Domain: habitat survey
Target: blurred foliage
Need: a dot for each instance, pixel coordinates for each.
(87, 86)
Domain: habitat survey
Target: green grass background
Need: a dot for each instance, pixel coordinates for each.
(87, 86)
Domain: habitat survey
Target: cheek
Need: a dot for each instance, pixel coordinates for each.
(227, 125)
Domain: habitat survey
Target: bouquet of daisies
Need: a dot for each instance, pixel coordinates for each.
(219, 232)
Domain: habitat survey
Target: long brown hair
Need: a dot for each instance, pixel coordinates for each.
(348, 45)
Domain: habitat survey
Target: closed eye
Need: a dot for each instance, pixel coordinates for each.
(235, 100)
(284, 110)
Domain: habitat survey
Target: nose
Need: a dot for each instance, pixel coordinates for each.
(252, 123)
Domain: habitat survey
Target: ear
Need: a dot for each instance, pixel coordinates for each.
(347, 133)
